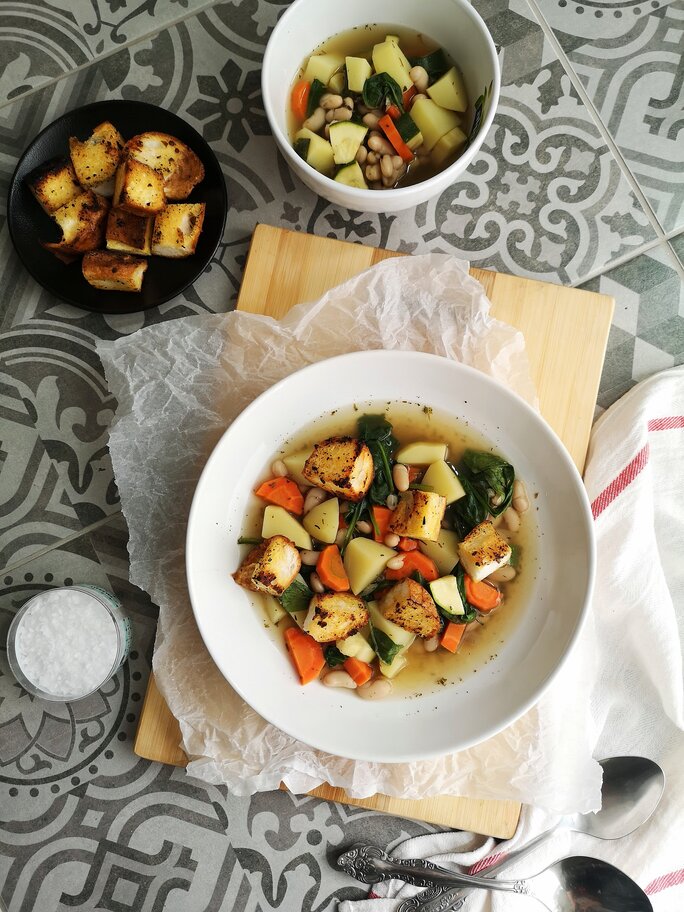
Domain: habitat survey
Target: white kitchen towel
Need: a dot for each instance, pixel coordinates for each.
(635, 480)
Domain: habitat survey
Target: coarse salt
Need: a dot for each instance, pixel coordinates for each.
(66, 643)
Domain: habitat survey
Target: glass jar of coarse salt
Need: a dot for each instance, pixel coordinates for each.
(65, 643)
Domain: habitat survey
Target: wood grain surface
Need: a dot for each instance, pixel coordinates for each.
(565, 331)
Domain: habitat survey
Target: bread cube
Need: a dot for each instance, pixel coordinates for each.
(113, 271)
(341, 465)
(129, 233)
(411, 607)
(54, 185)
(181, 168)
(138, 188)
(95, 161)
(483, 551)
(335, 616)
(83, 225)
(419, 514)
(270, 567)
(177, 229)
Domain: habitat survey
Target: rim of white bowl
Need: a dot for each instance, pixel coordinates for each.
(561, 453)
(461, 163)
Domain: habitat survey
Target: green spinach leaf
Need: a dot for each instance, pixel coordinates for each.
(333, 656)
(379, 88)
(481, 472)
(246, 540)
(470, 611)
(376, 433)
(384, 646)
(296, 597)
(352, 517)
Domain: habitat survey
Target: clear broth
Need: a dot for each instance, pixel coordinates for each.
(427, 672)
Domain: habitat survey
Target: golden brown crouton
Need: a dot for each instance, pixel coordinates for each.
(139, 189)
(410, 606)
(54, 185)
(270, 567)
(177, 229)
(335, 616)
(113, 271)
(181, 168)
(341, 465)
(95, 161)
(129, 233)
(419, 514)
(483, 551)
(83, 225)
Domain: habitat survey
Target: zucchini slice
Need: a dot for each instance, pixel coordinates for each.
(352, 176)
(409, 132)
(436, 63)
(315, 150)
(345, 139)
(447, 597)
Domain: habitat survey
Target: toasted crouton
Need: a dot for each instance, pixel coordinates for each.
(138, 189)
(419, 514)
(129, 233)
(483, 551)
(270, 567)
(83, 225)
(54, 185)
(177, 229)
(410, 606)
(95, 161)
(181, 168)
(335, 616)
(341, 465)
(113, 271)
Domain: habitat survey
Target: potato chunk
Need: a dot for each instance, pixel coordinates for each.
(410, 606)
(335, 616)
(483, 551)
(270, 567)
(341, 465)
(419, 514)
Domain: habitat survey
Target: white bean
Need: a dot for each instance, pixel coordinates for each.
(364, 527)
(392, 501)
(370, 120)
(373, 158)
(339, 678)
(395, 563)
(400, 477)
(342, 114)
(392, 539)
(378, 144)
(329, 101)
(386, 166)
(520, 502)
(375, 690)
(279, 468)
(502, 575)
(419, 77)
(431, 644)
(418, 97)
(511, 519)
(329, 116)
(373, 172)
(361, 154)
(340, 537)
(316, 584)
(313, 498)
(315, 121)
(309, 558)
(326, 131)
(496, 500)
(362, 109)
(349, 103)
(398, 162)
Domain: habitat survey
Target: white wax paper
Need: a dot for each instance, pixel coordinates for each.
(179, 385)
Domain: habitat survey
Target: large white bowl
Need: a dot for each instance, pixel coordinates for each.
(398, 729)
(454, 24)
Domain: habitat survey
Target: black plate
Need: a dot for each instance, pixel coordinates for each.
(29, 224)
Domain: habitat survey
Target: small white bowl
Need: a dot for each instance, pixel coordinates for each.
(254, 660)
(454, 24)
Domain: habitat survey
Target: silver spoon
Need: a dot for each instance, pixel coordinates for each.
(630, 793)
(574, 884)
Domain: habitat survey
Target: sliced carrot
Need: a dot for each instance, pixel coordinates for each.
(414, 473)
(407, 544)
(359, 671)
(306, 654)
(452, 636)
(386, 124)
(382, 516)
(330, 569)
(300, 98)
(284, 493)
(394, 112)
(415, 560)
(407, 97)
(482, 595)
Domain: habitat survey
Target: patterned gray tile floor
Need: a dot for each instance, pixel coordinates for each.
(579, 182)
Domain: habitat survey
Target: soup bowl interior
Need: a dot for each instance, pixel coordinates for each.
(452, 24)
(402, 727)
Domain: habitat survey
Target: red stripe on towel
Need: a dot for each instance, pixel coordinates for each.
(666, 424)
(618, 485)
(485, 863)
(667, 880)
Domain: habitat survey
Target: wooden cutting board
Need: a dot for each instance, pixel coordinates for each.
(565, 331)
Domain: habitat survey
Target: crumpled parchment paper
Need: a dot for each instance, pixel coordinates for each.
(179, 385)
